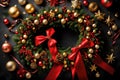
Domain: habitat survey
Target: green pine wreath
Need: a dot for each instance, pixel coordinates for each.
(41, 52)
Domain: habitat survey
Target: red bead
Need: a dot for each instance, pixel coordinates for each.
(107, 3)
(6, 21)
(66, 19)
(85, 2)
(40, 63)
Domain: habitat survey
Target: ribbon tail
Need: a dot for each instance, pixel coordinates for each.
(54, 72)
(80, 67)
(99, 62)
(52, 48)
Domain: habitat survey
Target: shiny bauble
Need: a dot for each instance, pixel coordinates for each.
(40, 63)
(97, 74)
(60, 16)
(64, 54)
(28, 75)
(76, 14)
(107, 3)
(33, 65)
(97, 46)
(90, 55)
(6, 21)
(23, 41)
(88, 28)
(29, 8)
(94, 25)
(38, 2)
(14, 12)
(36, 21)
(25, 36)
(22, 2)
(43, 67)
(63, 21)
(10, 65)
(6, 47)
(37, 55)
(90, 50)
(93, 6)
(68, 11)
(65, 62)
(72, 63)
(45, 21)
(80, 20)
(109, 33)
(114, 27)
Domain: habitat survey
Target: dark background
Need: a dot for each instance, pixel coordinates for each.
(5, 75)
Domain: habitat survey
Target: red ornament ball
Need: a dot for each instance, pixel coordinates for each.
(6, 47)
(6, 21)
(107, 3)
(40, 63)
(85, 2)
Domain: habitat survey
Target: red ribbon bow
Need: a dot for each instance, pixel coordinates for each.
(51, 43)
(76, 56)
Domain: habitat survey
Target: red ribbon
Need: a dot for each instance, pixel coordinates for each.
(53, 2)
(51, 42)
(76, 56)
(99, 62)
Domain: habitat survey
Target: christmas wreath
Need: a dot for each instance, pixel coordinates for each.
(38, 47)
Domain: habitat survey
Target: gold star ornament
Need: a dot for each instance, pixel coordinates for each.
(109, 21)
(110, 58)
(76, 4)
(99, 15)
(93, 68)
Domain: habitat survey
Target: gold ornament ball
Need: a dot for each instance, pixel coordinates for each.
(63, 21)
(38, 2)
(72, 63)
(88, 28)
(36, 21)
(97, 74)
(93, 6)
(43, 67)
(90, 55)
(80, 20)
(37, 55)
(56, 10)
(65, 66)
(22, 2)
(65, 62)
(45, 21)
(87, 37)
(97, 46)
(90, 50)
(59, 16)
(45, 12)
(38, 15)
(11, 65)
(6, 47)
(109, 33)
(64, 54)
(23, 41)
(114, 27)
(68, 11)
(28, 75)
(33, 65)
(94, 31)
(76, 14)
(94, 25)
(14, 12)
(29, 8)
(25, 36)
